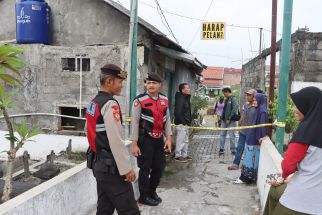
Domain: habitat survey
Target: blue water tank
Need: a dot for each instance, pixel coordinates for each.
(32, 22)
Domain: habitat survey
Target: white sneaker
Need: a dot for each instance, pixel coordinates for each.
(238, 181)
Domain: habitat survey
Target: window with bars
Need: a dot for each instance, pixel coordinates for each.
(68, 64)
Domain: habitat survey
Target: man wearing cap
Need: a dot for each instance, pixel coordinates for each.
(150, 124)
(112, 168)
(248, 111)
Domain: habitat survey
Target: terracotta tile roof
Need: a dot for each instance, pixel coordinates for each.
(213, 76)
(232, 70)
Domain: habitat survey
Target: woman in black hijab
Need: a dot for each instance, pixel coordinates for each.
(309, 102)
(303, 192)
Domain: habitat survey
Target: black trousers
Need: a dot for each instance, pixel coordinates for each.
(113, 193)
(151, 163)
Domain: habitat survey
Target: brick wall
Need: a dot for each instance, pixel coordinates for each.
(305, 67)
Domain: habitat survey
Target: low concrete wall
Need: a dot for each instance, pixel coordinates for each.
(72, 192)
(269, 163)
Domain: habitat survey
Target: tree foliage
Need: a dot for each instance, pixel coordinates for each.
(10, 63)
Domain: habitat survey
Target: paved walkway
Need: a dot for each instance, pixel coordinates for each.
(204, 186)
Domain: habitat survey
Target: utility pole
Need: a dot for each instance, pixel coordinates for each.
(261, 86)
(260, 40)
(132, 61)
(134, 12)
(80, 58)
(273, 61)
(80, 84)
(284, 72)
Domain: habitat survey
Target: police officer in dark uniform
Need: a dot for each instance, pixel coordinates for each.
(150, 123)
(111, 165)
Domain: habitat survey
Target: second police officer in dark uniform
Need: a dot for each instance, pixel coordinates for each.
(150, 123)
(111, 164)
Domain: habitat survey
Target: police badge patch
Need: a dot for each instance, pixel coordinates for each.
(162, 102)
(91, 108)
(116, 113)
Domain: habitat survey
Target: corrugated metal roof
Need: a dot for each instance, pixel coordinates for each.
(186, 57)
(159, 36)
(143, 23)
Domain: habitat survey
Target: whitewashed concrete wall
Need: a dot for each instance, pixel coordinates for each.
(269, 163)
(298, 85)
(72, 192)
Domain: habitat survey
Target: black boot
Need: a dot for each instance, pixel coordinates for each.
(147, 200)
(155, 196)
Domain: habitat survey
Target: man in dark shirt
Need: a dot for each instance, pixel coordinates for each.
(182, 116)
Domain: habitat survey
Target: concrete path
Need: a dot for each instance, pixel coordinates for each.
(204, 186)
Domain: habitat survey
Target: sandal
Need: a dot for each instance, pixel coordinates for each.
(233, 167)
(238, 181)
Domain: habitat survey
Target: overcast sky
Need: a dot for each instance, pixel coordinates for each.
(240, 43)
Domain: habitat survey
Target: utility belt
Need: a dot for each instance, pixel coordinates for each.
(107, 159)
(155, 134)
(143, 133)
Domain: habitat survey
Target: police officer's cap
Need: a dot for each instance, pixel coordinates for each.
(153, 77)
(114, 70)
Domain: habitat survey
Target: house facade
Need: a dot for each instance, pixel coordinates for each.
(232, 77)
(63, 77)
(216, 78)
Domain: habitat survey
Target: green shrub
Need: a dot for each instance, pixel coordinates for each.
(236, 92)
(291, 122)
(197, 103)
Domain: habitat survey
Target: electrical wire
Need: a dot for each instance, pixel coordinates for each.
(250, 42)
(198, 19)
(214, 55)
(194, 36)
(239, 64)
(162, 20)
(172, 13)
(167, 24)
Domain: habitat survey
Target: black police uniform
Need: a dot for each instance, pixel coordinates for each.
(150, 121)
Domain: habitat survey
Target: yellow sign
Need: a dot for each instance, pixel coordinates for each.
(213, 31)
